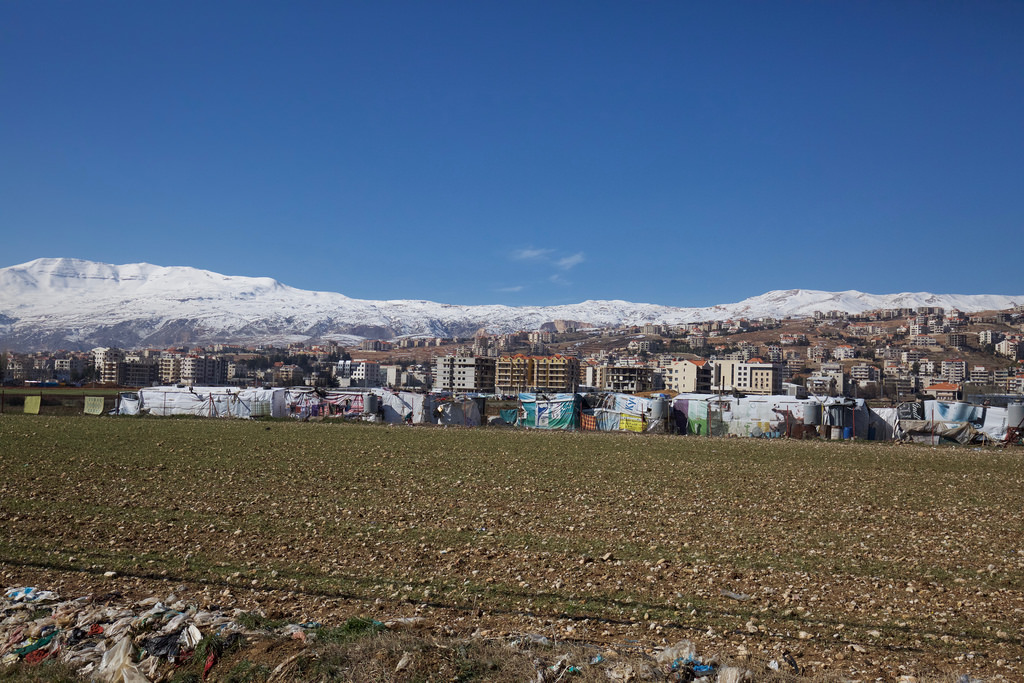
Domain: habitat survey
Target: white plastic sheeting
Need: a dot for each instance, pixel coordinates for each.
(765, 416)
(213, 402)
(961, 422)
(128, 403)
(458, 413)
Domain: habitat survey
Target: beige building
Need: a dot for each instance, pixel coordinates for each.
(748, 377)
(689, 376)
(551, 374)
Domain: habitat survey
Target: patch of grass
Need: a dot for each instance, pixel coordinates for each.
(247, 672)
(353, 629)
(45, 672)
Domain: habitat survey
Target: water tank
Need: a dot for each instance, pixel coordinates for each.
(1014, 414)
(369, 404)
(659, 409)
(812, 413)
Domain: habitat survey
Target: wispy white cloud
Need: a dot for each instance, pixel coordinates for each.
(516, 288)
(559, 280)
(530, 254)
(569, 261)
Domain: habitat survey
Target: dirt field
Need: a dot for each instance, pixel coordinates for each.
(862, 560)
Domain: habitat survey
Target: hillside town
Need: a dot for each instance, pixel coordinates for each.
(887, 355)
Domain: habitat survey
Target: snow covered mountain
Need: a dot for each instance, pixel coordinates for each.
(63, 303)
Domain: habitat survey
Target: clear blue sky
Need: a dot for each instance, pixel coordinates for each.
(522, 152)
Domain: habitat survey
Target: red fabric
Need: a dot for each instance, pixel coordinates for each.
(210, 661)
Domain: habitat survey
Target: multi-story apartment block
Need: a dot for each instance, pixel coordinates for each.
(954, 370)
(464, 373)
(981, 375)
(844, 352)
(357, 373)
(1011, 348)
(626, 379)
(66, 368)
(864, 373)
(754, 377)
(818, 353)
(105, 361)
(689, 376)
(554, 374)
(956, 340)
(202, 370)
(989, 337)
(170, 368)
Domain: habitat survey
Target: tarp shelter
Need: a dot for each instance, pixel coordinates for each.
(935, 422)
(457, 412)
(765, 416)
(399, 407)
(213, 402)
(550, 411)
(623, 412)
(128, 403)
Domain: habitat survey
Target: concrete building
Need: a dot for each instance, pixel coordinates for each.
(105, 360)
(553, 374)
(357, 373)
(954, 370)
(627, 379)
(202, 370)
(689, 376)
(753, 377)
(464, 373)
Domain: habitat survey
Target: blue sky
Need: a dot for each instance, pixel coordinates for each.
(522, 152)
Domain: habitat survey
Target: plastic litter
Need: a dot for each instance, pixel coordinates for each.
(742, 597)
(680, 651)
(29, 594)
(166, 645)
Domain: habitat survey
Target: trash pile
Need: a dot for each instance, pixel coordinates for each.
(103, 640)
(110, 643)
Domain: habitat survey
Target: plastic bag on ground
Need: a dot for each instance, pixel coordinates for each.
(682, 650)
(117, 665)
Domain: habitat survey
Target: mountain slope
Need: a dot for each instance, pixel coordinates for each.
(67, 303)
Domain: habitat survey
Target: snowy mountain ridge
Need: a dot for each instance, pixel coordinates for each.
(65, 303)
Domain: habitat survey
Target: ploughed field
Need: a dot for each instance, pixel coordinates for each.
(859, 559)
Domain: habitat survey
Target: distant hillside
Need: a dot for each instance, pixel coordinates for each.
(72, 304)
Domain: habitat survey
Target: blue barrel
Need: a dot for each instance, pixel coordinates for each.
(847, 433)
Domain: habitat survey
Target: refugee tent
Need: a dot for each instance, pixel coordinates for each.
(549, 411)
(623, 412)
(457, 412)
(344, 403)
(213, 401)
(884, 424)
(304, 402)
(935, 422)
(767, 416)
(128, 403)
(401, 406)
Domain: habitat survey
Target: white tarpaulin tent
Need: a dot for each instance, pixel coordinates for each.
(213, 402)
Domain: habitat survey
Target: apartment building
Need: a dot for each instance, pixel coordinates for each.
(954, 370)
(753, 377)
(552, 374)
(689, 376)
(105, 360)
(464, 373)
(627, 379)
